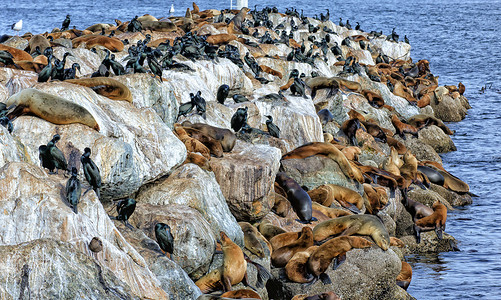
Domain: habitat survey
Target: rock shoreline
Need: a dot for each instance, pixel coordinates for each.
(141, 156)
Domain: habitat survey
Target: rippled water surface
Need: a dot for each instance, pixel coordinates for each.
(461, 41)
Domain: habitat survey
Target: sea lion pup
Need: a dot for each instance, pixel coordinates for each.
(233, 270)
(241, 293)
(405, 276)
(355, 224)
(374, 99)
(318, 83)
(403, 128)
(269, 230)
(299, 199)
(104, 86)
(321, 258)
(223, 135)
(192, 145)
(422, 120)
(282, 255)
(329, 150)
(329, 211)
(296, 268)
(213, 145)
(51, 108)
(251, 240)
(282, 206)
(435, 221)
(346, 197)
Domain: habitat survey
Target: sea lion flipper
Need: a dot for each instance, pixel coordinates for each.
(325, 278)
(341, 258)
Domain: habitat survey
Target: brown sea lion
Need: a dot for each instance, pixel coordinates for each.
(107, 87)
(221, 38)
(192, 145)
(461, 88)
(284, 239)
(38, 41)
(30, 65)
(240, 17)
(417, 211)
(296, 268)
(282, 255)
(241, 293)
(198, 160)
(269, 70)
(269, 230)
(323, 296)
(422, 120)
(405, 276)
(375, 100)
(375, 200)
(354, 224)
(321, 258)
(396, 242)
(282, 206)
(329, 211)
(233, 270)
(213, 145)
(351, 152)
(409, 169)
(329, 150)
(16, 53)
(343, 195)
(224, 136)
(51, 108)
(435, 221)
(159, 26)
(287, 85)
(251, 239)
(299, 199)
(403, 128)
(318, 83)
(111, 43)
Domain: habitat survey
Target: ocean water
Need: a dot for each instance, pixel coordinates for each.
(461, 41)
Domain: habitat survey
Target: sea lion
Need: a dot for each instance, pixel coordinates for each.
(323, 296)
(213, 145)
(433, 175)
(349, 128)
(198, 160)
(376, 200)
(321, 258)
(329, 211)
(251, 240)
(284, 239)
(351, 152)
(269, 70)
(16, 53)
(318, 83)
(374, 99)
(296, 268)
(282, 255)
(299, 199)
(392, 142)
(282, 206)
(269, 230)
(325, 116)
(107, 87)
(409, 169)
(241, 293)
(435, 221)
(405, 276)
(329, 150)
(159, 26)
(225, 136)
(111, 43)
(345, 196)
(192, 145)
(422, 120)
(461, 88)
(403, 128)
(355, 224)
(51, 108)
(38, 41)
(222, 38)
(233, 270)
(396, 242)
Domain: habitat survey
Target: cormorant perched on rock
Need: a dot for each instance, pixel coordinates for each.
(272, 128)
(406, 39)
(57, 155)
(45, 158)
(5, 122)
(185, 109)
(239, 119)
(71, 72)
(239, 98)
(336, 50)
(348, 25)
(73, 190)
(66, 23)
(222, 93)
(117, 67)
(357, 27)
(125, 208)
(155, 67)
(164, 238)
(91, 172)
(135, 25)
(341, 22)
(251, 62)
(46, 72)
(199, 103)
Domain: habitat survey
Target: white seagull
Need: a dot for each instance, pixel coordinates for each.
(171, 10)
(17, 26)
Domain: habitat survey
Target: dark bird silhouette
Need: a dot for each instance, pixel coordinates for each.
(222, 93)
(155, 67)
(239, 119)
(125, 208)
(91, 172)
(272, 128)
(73, 190)
(239, 98)
(5, 122)
(251, 62)
(71, 72)
(117, 67)
(57, 155)
(66, 23)
(199, 103)
(46, 72)
(45, 158)
(164, 238)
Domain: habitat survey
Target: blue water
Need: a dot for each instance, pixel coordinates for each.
(461, 41)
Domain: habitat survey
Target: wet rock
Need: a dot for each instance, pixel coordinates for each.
(372, 271)
(191, 186)
(435, 137)
(448, 109)
(454, 199)
(419, 148)
(427, 197)
(429, 243)
(246, 177)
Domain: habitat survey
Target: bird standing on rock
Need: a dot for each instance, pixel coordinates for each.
(164, 238)
(66, 23)
(272, 128)
(56, 155)
(91, 172)
(17, 26)
(222, 93)
(73, 190)
(125, 208)
(239, 119)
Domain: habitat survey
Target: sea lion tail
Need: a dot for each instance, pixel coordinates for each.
(262, 273)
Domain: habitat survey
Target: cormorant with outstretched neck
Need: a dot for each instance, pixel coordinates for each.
(164, 238)
(272, 128)
(73, 190)
(125, 208)
(66, 23)
(56, 155)
(155, 67)
(91, 172)
(239, 119)
(222, 93)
